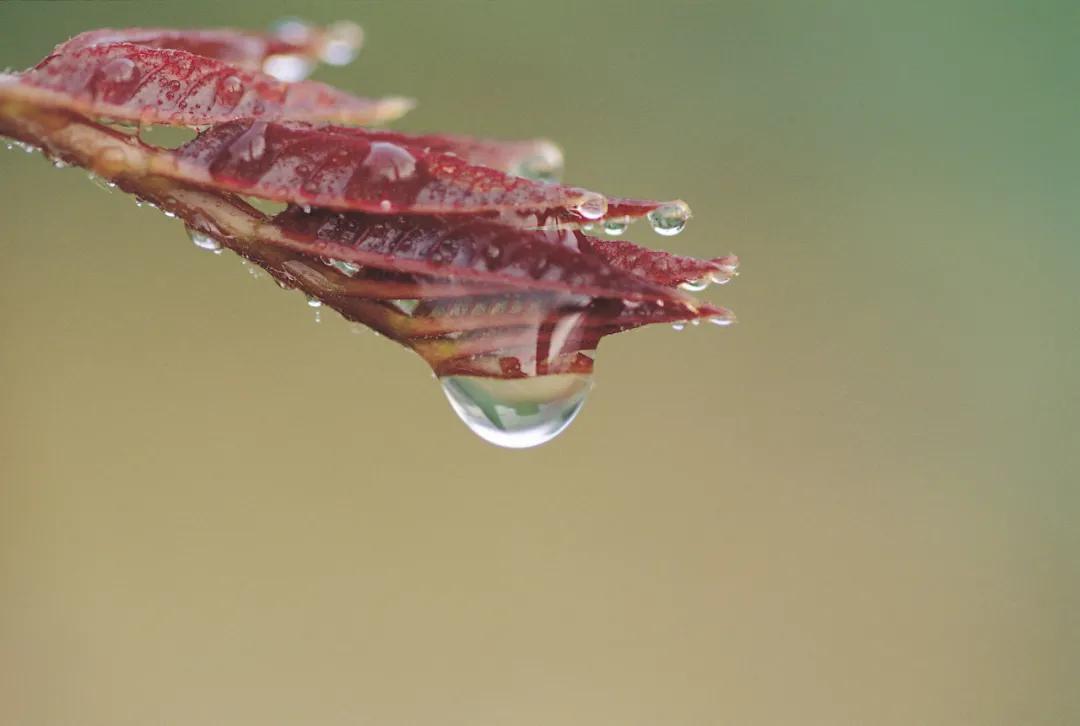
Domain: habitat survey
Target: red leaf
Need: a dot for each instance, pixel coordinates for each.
(135, 83)
(353, 169)
(241, 48)
(663, 268)
(479, 251)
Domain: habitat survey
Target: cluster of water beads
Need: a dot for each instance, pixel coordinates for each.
(723, 321)
(668, 219)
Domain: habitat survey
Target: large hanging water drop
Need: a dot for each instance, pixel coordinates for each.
(517, 413)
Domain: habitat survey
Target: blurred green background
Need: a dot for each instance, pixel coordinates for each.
(858, 506)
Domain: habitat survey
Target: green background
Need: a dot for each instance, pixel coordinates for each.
(858, 506)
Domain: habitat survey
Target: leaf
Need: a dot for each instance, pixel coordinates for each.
(140, 84)
(434, 240)
(662, 268)
(354, 169)
(468, 249)
(335, 44)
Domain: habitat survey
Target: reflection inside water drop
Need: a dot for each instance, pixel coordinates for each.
(669, 219)
(517, 413)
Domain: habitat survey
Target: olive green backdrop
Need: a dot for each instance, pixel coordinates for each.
(858, 506)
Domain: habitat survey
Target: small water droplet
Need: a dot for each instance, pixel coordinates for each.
(314, 302)
(254, 270)
(340, 43)
(678, 326)
(59, 163)
(517, 413)
(296, 31)
(695, 285)
(593, 206)
(723, 320)
(101, 183)
(231, 91)
(615, 226)
(168, 213)
(544, 164)
(119, 70)
(346, 268)
(288, 67)
(204, 241)
(406, 306)
(669, 219)
(251, 144)
(389, 161)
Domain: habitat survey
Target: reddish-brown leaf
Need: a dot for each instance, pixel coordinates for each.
(480, 251)
(353, 169)
(243, 49)
(135, 83)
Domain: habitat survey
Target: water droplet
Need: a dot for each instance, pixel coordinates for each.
(588, 227)
(169, 213)
(231, 91)
(287, 67)
(695, 285)
(101, 183)
(59, 163)
(678, 326)
(615, 226)
(389, 161)
(314, 302)
(407, 306)
(254, 270)
(544, 164)
(593, 206)
(723, 320)
(119, 70)
(340, 43)
(293, 30)
(517, 413)
(669, 219)
(346, 268)
(204, 241)
(251, 144)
